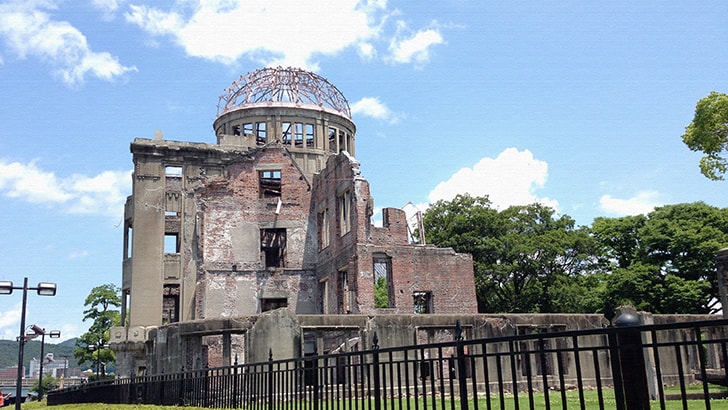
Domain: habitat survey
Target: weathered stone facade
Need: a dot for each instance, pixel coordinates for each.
(275, 215)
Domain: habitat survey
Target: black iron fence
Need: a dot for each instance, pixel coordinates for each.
(627, 367)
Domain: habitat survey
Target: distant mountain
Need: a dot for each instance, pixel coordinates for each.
(69, 343)
(9, 352)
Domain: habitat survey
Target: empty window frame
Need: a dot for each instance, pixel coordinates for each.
(332, 139)
(269, 183)
(128, 237)
(344, 213)
(273, 247)
(309, 136)
(171, 242)
(324, 229)
(267, 304)
(323, 295)
(236, 129)
(260, 133)
(170, 304)
(286, 133)
(298, 134)
(248, 128)
(422, 302)
(342, 142)
(173, 171)
(343, 293)
(383, 289)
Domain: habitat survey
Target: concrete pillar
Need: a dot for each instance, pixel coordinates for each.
(721, 263)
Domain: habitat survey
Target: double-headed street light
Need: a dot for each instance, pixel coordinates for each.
(97, 347)
(43, 289)
(39, 331)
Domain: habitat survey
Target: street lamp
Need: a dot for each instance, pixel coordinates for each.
(97, 347)
(39, 331)
(43, 289)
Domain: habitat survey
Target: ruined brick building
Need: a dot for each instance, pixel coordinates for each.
(275, 214)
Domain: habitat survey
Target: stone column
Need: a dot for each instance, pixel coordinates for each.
(721, 264)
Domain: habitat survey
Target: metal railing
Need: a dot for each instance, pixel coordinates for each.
(628, 367)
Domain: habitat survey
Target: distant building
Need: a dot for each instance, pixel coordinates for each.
(10, 373)
(51, 365)
(275, 214)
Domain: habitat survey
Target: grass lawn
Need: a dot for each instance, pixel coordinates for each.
(591, 400)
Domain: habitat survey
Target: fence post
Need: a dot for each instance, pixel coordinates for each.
(315, 377)
(631, 357)
(461, 363)
(270, 378)
(235, 382)
(375, 369)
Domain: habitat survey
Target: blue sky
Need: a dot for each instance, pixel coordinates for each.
(579, 105)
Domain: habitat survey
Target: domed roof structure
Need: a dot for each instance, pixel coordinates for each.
(283, 87)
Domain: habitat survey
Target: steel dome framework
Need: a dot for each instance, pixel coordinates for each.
(283, 85)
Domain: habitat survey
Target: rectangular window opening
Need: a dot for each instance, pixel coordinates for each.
(286, 133)
(342, 141)
(171, 242)
(422, 302)
(128, 237)
(344, 306)
(298, 134)
(267, 304)
(324, 229)
(332, 139)
(345, 213)
(270, 184)
(173, 171)
(248, 128)
(236, 129)
(273, 247)
(260, 136)
(383, 289)
(170, 304)
(309, 136)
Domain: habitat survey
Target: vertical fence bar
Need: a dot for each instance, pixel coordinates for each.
(514, 375)
(270, 378)
(375, 369)
(462, 371)
(703, 362)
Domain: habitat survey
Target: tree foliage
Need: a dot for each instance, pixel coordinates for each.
(522, 255)
(664, 262)
(708, 132)
(528, 259)
(92, 346)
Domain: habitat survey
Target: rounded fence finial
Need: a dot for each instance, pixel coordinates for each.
(627, 319)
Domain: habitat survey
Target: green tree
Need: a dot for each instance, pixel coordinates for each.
(708, 132)
(92, 346)
(522, 255)
(664, 262)
(49, 383)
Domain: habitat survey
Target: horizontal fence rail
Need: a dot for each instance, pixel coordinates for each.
(627, 367)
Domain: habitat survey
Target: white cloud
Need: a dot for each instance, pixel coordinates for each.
(374, 108)
(29, 31)
(416, 47)
(107, 6)
(102, 194)
(9, 322)
(510, 179)
(281, 33)
(642, 203)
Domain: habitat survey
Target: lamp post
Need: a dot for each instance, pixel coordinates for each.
(39, 331)
(98, 346)
(43, 289)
